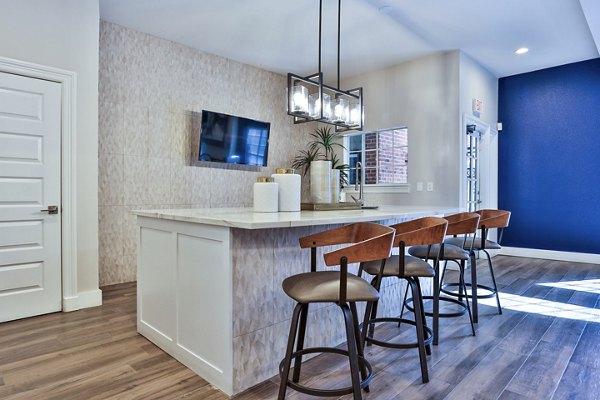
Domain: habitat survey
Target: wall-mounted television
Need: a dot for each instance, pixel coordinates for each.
(234, 140)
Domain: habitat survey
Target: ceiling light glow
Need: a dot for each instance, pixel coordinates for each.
(521, 50)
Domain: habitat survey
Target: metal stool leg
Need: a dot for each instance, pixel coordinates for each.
(463, 286)
(376, 283)
(443, 272)
(403, 304)
(352, 351)
(436, 305)
(365, 325)
(494, 281)
(420, 331)
(288, 353)
(359, 345)
(462, 289)
(300, 343)
(423, 317)
(474, 287)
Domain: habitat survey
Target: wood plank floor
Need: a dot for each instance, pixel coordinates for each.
(546, 345)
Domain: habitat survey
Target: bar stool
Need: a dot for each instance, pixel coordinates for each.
(427, 231)
(369, 243)
(490, 219)
(462, 226)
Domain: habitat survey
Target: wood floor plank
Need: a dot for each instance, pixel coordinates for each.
(579, 382)
(490, 378)
(463, 359)
(588, 349)
(541, 373)
(526, 334)
(508, 395)
(96, 353)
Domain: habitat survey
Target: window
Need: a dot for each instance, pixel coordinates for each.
(256, 143)
(385, 155)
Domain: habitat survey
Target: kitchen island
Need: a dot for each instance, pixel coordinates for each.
(209, 285)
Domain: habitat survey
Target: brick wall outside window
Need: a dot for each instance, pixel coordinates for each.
(385, 156)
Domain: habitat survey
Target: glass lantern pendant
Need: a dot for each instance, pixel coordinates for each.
(316, 104)
(300, 100)
(355, 114)
(309, 99)
(340, 111)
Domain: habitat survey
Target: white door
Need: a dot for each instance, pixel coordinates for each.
(30, 238)
(479, 160)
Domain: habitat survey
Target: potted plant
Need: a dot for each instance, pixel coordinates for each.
(328, 172)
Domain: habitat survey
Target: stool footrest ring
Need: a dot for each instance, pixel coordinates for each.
(444, 314)
(492, 292)
(428, 334)
(326, 392)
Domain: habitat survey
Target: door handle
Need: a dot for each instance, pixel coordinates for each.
(51, 210)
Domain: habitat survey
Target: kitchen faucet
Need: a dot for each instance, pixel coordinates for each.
(357, 177)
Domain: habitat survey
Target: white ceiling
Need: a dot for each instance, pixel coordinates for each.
(282, 35)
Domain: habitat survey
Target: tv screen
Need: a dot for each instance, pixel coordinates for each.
(235, 140)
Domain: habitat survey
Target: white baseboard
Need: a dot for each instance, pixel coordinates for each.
(91, 298)
(551, 255)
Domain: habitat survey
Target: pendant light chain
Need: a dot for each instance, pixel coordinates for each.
(320, 24)
(338, 42)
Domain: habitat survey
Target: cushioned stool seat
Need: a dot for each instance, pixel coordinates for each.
(366, 242)
(489, 244)
(451, 252)
(324, 287)
(489, 219)
(414, 267)
(461, 226)
(422, 231)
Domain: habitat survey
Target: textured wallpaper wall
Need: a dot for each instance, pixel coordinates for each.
(149, 89)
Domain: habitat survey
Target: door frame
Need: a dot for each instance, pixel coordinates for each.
(488, 159)
(68, 82)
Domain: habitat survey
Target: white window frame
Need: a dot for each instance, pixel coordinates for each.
(374, 187)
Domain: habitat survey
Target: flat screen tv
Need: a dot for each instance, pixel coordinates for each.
(235, 140)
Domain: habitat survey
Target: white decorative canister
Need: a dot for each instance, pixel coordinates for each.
(320, 182)
(335, 186)
(290, 191)
(266, 195)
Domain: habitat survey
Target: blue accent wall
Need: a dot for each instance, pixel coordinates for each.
(549, 158)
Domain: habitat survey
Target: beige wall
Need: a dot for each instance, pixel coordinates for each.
(477, 82)
(424, 96)
(149, 88)
(64, 34)
(429, 96)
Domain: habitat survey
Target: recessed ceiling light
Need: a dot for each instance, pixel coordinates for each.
(521, 50)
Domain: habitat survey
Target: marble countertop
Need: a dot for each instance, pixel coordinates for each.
(245, 218)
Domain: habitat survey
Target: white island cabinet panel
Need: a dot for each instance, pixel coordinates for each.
(184, 302)
(209, 284)
(156, 299)
(203, 301)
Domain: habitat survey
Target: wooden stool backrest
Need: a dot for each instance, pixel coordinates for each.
(463, 223)
(493, 218)
(369, 242)
(421, 231)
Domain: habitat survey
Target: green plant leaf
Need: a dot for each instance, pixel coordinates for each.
(304, 158)
(326, 140)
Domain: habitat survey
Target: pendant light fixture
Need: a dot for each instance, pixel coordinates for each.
(309, 99)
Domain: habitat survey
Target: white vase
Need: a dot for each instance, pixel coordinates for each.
(335, 186)
(320, 182)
